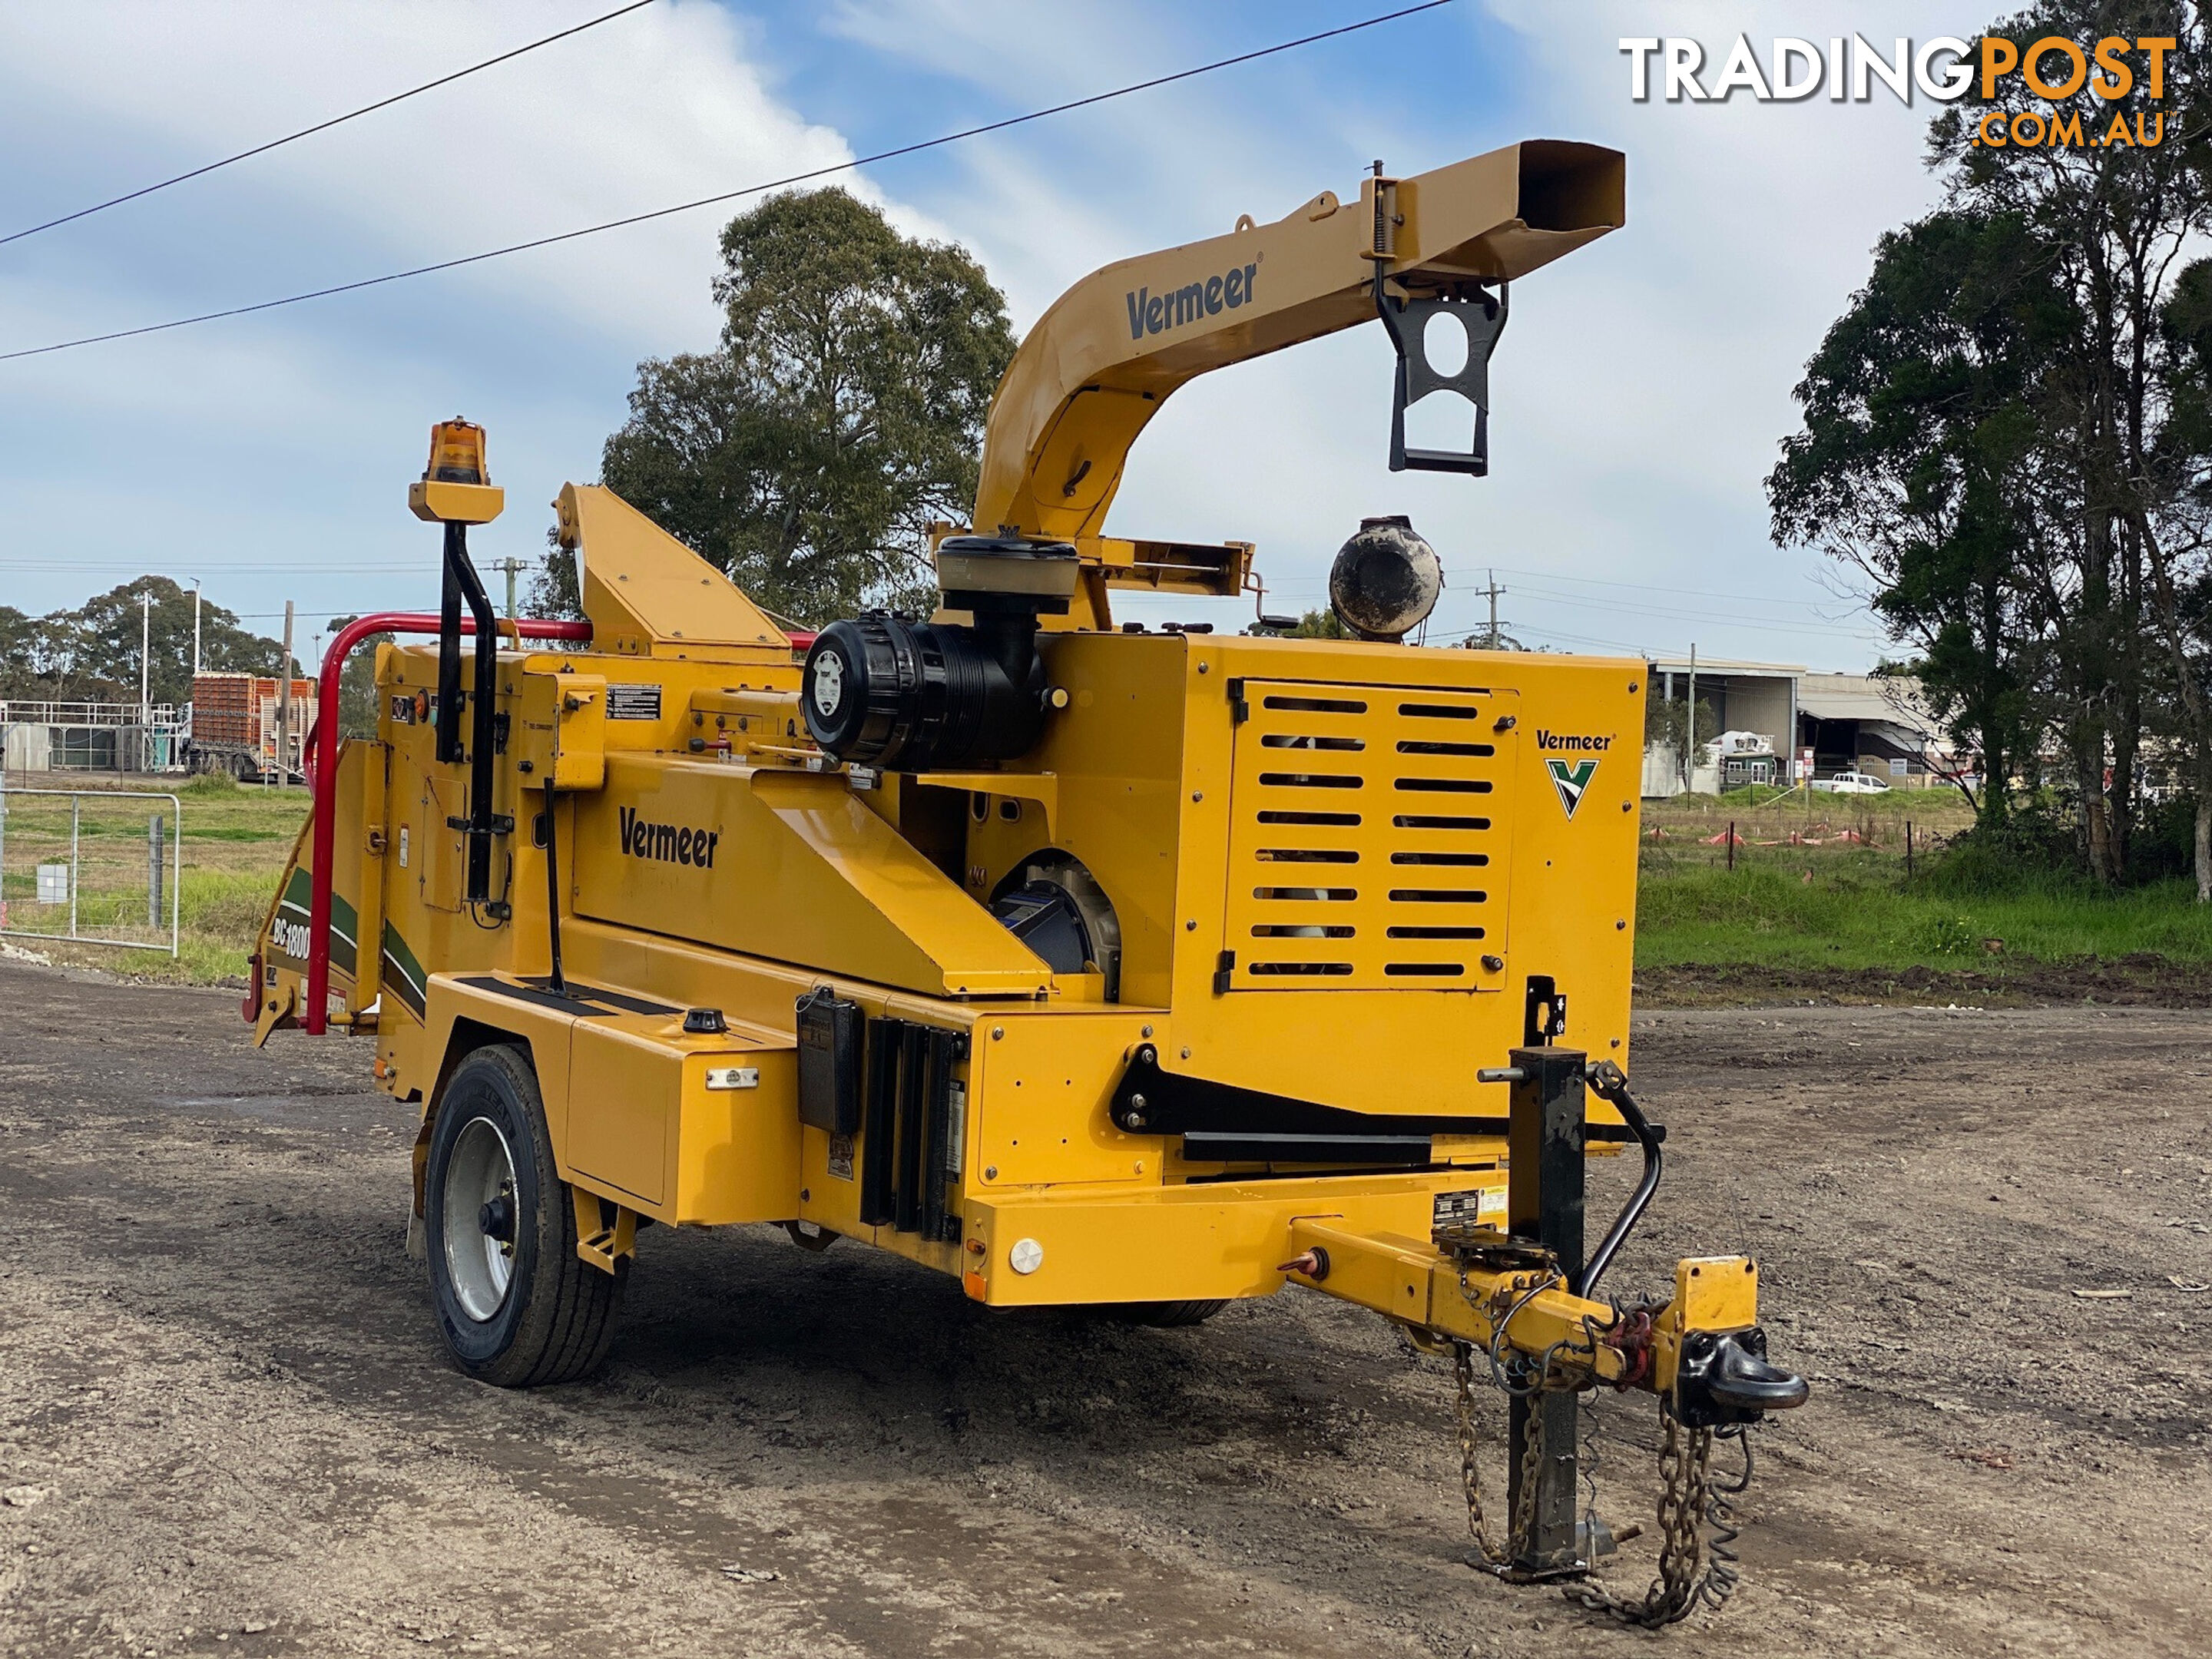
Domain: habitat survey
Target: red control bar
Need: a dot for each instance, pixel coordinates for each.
(321, 762)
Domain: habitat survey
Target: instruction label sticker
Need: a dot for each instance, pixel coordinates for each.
(633, 703)
(841, 1156)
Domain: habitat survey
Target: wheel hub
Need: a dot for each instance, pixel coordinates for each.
(480, 1219)
(497, 1220)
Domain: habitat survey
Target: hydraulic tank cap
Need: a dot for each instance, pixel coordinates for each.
(1386, 580)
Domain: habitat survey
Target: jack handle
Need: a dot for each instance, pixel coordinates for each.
(1608, 1083)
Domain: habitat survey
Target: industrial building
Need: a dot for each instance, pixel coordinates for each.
(1780, 723)
(92, 736)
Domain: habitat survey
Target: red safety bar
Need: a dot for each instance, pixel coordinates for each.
(320, 760)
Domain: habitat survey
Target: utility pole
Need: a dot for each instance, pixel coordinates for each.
(285, 703)
(145, 656)
(1492, 639)
(1690, 747)
(514, 567)
(196, 628)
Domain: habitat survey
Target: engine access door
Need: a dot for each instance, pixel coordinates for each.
(1370, 835)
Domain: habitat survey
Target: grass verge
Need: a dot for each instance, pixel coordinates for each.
(234, 842)
(1819, 902)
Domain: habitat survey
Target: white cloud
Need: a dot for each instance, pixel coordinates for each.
(651, 109)
(1638, 393)
(292, 433)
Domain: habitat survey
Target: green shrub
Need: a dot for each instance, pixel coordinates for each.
(1945, 935)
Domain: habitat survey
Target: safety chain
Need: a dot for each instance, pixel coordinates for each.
(1532, 1466)
(1470, 1471)
(1691, 1569)
(1510, 1300)
(1689, 1500)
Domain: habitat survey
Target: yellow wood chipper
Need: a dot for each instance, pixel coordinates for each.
(1137, 967)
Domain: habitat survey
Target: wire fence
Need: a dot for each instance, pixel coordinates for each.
(1800, 830)
(95, 866)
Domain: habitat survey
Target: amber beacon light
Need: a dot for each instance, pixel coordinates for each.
(456, 487)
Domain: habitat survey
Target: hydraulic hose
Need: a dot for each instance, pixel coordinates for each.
(1607, 1082)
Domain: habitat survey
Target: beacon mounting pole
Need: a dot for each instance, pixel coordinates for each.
(456, 490)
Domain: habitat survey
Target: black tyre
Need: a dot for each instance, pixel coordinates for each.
(1170, 1315)
(517, 1307)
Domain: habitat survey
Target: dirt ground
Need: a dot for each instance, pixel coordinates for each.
(226, 1428)
(2143, 979)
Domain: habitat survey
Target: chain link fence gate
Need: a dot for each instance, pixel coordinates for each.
(74, 877)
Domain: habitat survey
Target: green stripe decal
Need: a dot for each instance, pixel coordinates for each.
(402, 971)
(345, 920)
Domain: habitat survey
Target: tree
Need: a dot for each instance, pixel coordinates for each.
(1666, 726)
(842, 414)
(20, 640)
(2116, 210)
(1321, 625)
(92, 653)
(2178, 531)
(357, 710)
(1916, 465)
(2019, 530)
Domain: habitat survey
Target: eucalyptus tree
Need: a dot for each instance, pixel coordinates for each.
(840, 414)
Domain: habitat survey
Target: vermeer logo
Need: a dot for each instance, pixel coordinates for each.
(1571, 779)
(1549, 740)
(1150, 312)
(668, 842)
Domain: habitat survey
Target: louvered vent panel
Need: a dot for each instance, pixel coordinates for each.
(1368, 846)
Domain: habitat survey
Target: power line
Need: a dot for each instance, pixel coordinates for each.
(1623, 608)
(324, 126)
(45, 566)
(733, 195)
(1652, 587)
(1623, 645)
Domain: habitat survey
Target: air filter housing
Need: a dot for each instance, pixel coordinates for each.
(883, 690)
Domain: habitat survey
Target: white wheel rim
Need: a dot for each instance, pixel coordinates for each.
(479, 1267)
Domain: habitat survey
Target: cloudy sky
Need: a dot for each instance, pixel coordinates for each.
(1637, 397)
